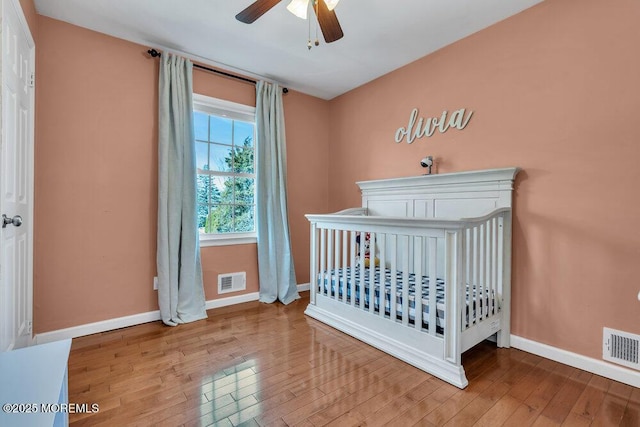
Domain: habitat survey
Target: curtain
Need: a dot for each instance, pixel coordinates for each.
(180, 290)
(275, 260)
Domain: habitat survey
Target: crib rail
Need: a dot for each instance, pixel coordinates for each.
(465, 254)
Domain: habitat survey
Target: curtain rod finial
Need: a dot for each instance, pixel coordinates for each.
(154, 53)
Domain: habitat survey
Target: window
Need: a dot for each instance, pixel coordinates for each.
(225, 164)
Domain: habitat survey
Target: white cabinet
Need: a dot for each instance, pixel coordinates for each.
(33, 385)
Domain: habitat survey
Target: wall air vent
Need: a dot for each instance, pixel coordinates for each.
(622, 348)
(232, 282)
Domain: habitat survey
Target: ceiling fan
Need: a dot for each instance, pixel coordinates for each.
(327, 19)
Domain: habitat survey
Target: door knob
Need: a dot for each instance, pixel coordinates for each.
(16, 220)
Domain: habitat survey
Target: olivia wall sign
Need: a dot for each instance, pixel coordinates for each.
(420, 127)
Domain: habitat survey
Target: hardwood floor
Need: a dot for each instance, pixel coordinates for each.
(268, 364)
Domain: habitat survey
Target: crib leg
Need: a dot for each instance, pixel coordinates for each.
(503, 339)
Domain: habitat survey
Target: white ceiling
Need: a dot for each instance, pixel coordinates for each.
(379, 35)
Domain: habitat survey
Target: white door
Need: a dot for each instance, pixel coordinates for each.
(16, 179)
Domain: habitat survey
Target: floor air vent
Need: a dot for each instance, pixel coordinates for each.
(622, 348)
(232, 282)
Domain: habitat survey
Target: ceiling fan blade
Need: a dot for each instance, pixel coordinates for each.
(328, 21)
(256, 10)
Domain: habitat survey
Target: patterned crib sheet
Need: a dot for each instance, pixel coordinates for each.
(343, 275)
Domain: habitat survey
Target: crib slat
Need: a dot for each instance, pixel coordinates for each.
(330, 271)
(345, 279)
(383, 269)
(352, 264)
(474, 292)
(486, 297)
(468, 258)
(361, 282)
(324, 280)
(336, 263)
(417, 303)
(466, 279)
(345, 265)
(393, 298)
(338, 275)
(405, 281)
(433, 302)
(481, 275)
(372, 272)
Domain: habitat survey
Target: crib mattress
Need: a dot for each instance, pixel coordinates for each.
(344, 276)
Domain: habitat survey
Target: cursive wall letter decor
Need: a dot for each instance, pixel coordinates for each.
(427, 127)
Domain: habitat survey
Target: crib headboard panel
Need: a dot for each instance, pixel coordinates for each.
(450, 195)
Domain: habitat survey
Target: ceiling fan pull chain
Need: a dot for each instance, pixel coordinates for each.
(317, 43)
(309, 38)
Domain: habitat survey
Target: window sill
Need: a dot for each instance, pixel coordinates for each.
(217, 240)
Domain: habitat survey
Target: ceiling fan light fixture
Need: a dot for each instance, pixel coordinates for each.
(331, 4)
(299, 8)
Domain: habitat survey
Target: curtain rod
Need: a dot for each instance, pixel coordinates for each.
(154, 54)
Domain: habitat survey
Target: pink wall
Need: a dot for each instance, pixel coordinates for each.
(95, 195)
(95, 181)
(307, 163)
(556, 91)
(29, 10)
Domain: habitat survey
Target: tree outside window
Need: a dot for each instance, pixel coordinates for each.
(225, 164)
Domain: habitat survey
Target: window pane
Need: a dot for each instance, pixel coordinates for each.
(214, 195)
(220, 219)
(243, 134)
(225, 149)
(220, 130)
(203, 183)
(202, 155)
(221, 158)
(244, 190)
(224, 186)
(244, 221)
(201, 125)
(203, 212)
(243, 160)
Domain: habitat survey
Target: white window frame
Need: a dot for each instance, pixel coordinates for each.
(235, 111)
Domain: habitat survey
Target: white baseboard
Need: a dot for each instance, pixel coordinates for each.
(595, 366)
(224, 302)
(303, 287)
(137, 319)
(97, 327)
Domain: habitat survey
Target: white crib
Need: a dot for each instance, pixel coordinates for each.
(454, 227)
